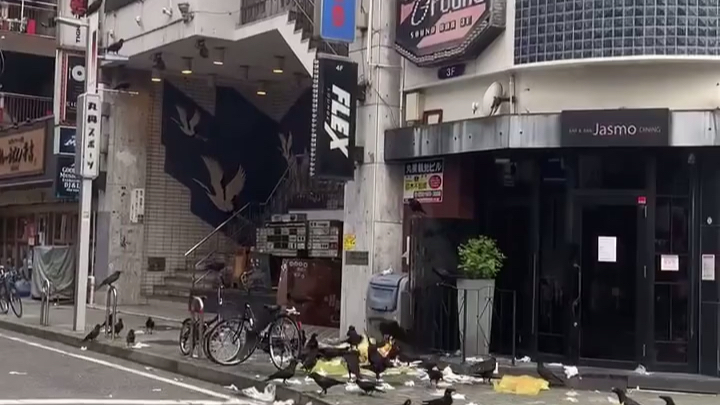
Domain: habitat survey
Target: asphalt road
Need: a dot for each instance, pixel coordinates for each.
(41, 372)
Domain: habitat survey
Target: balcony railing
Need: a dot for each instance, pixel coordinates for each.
(255, 10)
(28, 17)
(15, 108)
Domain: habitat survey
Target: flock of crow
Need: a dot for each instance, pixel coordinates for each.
(117, 328)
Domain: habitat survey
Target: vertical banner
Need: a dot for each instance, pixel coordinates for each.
(67, 183)
(337, 20)
(73, 85)
(334, 116)
(88, 125)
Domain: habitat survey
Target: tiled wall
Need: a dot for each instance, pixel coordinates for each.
(170, 228)
(551, 30)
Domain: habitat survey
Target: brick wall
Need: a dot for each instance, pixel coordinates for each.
(170, 228)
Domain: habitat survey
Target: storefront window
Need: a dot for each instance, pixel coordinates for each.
(616, 171)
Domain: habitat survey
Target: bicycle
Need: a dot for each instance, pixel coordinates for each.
(272, 338)
(9, 297)
(187, 325)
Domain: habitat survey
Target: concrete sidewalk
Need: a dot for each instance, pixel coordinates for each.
(162, 353)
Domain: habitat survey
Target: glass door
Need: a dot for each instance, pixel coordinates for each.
(608, 317)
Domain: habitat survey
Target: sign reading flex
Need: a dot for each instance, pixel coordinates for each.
(337, 20)
(334, 118)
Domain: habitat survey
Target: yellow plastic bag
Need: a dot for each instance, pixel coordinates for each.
(520, 385)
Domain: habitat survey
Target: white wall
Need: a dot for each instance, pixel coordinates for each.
(674, 85)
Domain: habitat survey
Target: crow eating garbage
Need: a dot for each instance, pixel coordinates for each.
(324, 383)
(435, 376)
(352, 361)
(310, 360)
(484, 369)
(284, 374)
(150, 325)
(93, 334)
(130, 339)
(445, 400)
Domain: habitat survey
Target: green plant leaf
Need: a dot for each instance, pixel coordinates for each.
(480, 258)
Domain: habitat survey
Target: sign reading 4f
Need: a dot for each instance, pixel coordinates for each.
(87, 154)
(334, 118)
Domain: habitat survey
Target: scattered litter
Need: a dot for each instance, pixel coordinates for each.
(471, 403)
(149, 368)
(140, 345)
(524, 359)
(455, 395)
(388, 271)
(288, 402)
(231, 387)
(386, 387)
(409, 383)
(450, 377)
(571, 371)
(83, 348)
(352, 387)
(139, 332)
(294, 381)
(571, 394)
(177, 379)
(109, 395)
(17, 373)
(268, 394)
(555, 365)
(520, 385)
(641, 370)
(443, 384)
(571, 399)
(474, 359)
(309, 380)
(157, 389)
(613, 400)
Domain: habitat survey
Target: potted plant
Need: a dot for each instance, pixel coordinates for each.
(480, 260)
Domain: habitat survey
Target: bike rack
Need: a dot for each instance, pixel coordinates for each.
(45, 303)
(110, 303)
(197, 317)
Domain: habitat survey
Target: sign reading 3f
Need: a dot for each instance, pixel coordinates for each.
(334, 118)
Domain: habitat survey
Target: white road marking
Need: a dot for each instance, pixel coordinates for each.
(118, 402)
(151, 376)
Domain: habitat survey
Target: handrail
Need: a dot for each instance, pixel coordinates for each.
(235, 215)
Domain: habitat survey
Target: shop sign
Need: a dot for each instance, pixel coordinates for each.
(432, 32)
(67, 183)
(337, 20)
(66, 141)
(23, 154)
(334, 115)
(88, 124)
(73, 86)
(625, 127)
(423, 181)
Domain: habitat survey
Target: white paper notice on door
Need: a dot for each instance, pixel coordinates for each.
(669, 263)
(607, 249)
(708, 267)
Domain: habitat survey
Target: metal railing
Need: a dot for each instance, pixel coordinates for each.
(197, 324)
(29, 17)
(15, 108)
(256, 10)
(111, 311)
(45, 302)
(441, 319)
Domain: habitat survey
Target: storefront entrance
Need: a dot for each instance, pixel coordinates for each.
(609, 272)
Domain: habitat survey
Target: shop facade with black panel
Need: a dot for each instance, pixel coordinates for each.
(609, 219)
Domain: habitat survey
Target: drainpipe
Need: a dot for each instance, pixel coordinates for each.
(370, 33)
(513, 100)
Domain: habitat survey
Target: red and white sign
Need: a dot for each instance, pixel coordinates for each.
(424, 181)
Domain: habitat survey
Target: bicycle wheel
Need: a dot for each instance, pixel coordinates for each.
(184, 341)
(226, 340)
(4, 302)
(15, 302)
(284, 341)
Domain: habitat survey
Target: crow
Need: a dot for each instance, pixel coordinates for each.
(415, 206)
(378, 363)
(312, 343)
(484, 369)
(130, 339)
(93, 8)
(445, 400)
(325, 382)
(353, 338)
(284, 374)
(435, 376)
(368, 387)
(150, 325)
(329, 353)
(107, 322)
(623, 398)
(352, 361)
(310, 360)
(549, 376)
(115, 47)
(119, 326)
(109, 280)
(93, 334)
(407, 402)
(668, 400)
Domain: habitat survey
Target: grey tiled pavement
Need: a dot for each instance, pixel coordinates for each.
(163, 343)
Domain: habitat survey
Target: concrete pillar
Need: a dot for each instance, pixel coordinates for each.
(120, 241)
(373, 201)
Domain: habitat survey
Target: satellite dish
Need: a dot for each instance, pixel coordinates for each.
(492, 99)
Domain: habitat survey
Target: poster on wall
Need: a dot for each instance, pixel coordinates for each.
(67, 183)
(424, 181)
(65, 143)
(23, 154)
(334, 115)
(607, 249)
(73, 86)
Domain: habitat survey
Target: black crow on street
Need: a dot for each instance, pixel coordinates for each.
(109, 280)
(446, 399)
(119, 326)
(150, 325)
(284, 374)
(484, 369)
(325, 383)
(623, 398)
(93, 334)
(352, 361)
(368, 387)
(668, 400)
(353, 338)
(130, 339)
(312, 343)
(435, 376)
(310, 360)
(407, 402)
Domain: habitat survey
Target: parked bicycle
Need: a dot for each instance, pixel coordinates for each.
(281, 338)
(9, 296)
(189, 327)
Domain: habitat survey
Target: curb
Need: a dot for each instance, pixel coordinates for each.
(192, 370)
(138, 314)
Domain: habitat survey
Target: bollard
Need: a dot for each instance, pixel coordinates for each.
(197, 324)
(45, 303)
(110, 303)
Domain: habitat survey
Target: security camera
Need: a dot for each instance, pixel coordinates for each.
(185, 12)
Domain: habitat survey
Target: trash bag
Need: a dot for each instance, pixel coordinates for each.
(520, 385)
(23, 288)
